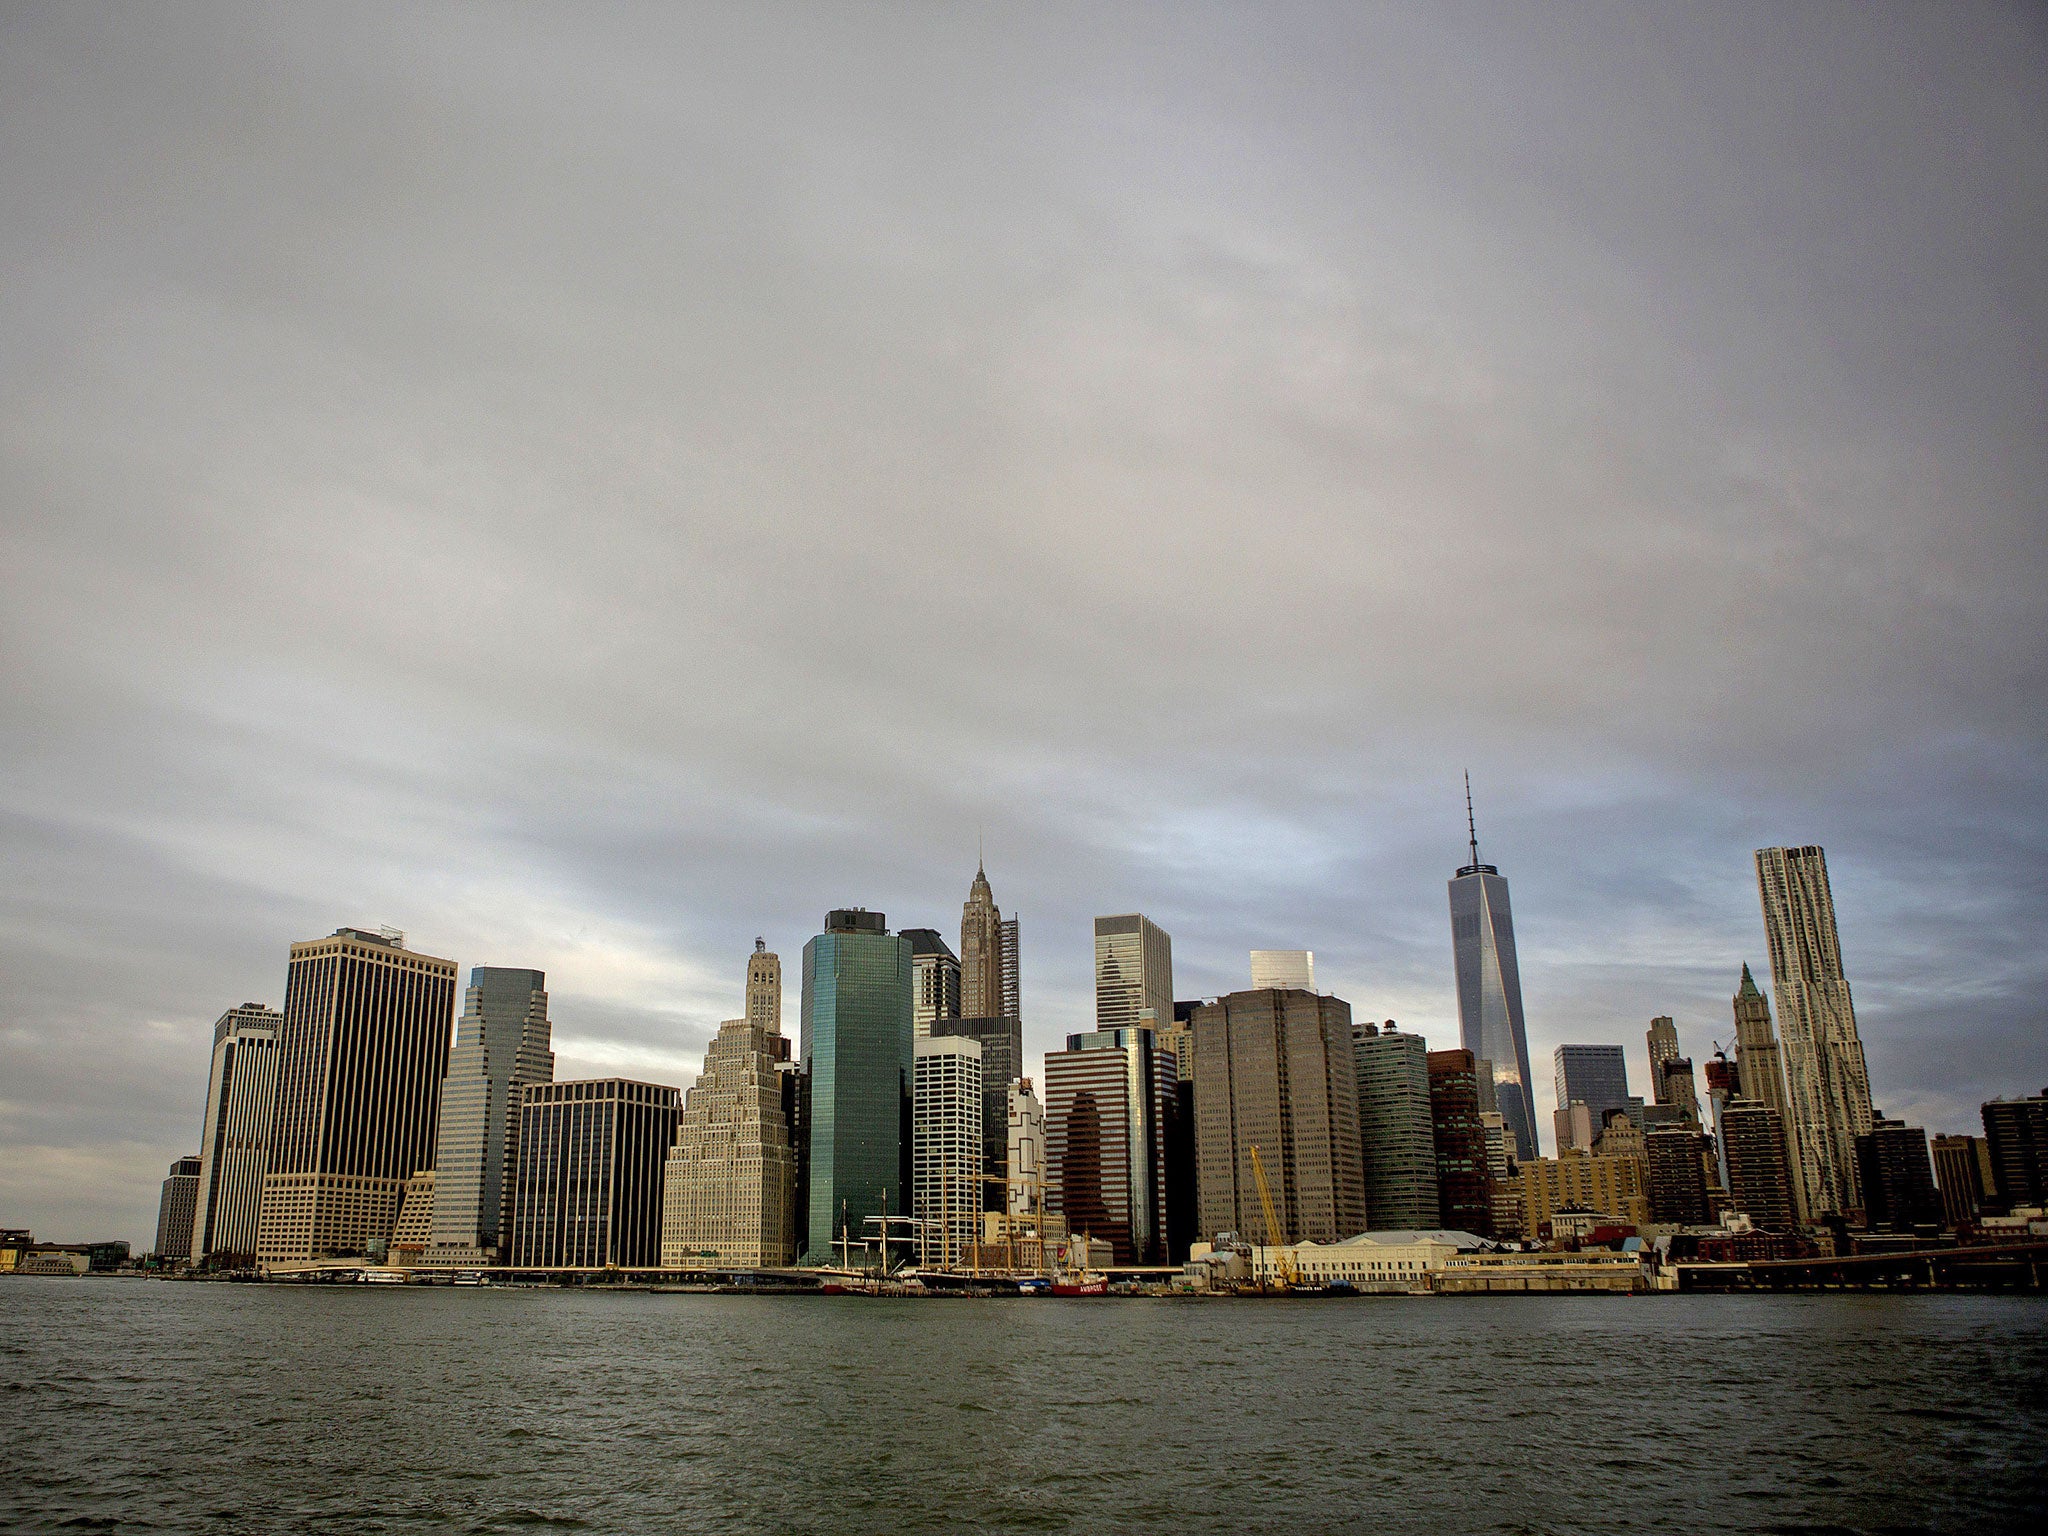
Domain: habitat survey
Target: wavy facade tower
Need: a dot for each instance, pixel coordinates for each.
(1827, 1085)
(1490, 989)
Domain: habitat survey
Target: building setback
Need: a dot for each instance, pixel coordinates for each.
(1133, 972)
(361, 1057)
(1276, 1070)
(729, 1185)
(1463, 1183)
(589, 1173)
(2016, 1130)
(1107, 1099)
(946, 1146)
(501, 1045)
(1002, 1063)
(1759, 1176)
(1396, 1136)
(1897, 1177)
(234, 1138)
(855, 1087)
(1490, 1024)
(1827, 1085)
(174, 1210)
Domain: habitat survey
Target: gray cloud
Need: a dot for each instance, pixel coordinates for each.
(591, 488)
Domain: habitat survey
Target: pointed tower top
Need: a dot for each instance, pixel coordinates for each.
(1748, 988)
(1471, 826)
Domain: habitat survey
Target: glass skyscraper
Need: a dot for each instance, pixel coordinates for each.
(1133, 973)
(858, 1073)
(1490, 990)
(501, 1044)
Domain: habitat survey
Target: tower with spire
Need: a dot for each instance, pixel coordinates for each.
(1490, 1023)
(981, 950)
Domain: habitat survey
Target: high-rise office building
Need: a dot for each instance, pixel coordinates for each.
(1025, 1150)
(981, 950)
(362, 1054)
(1275, 1071)
(1759, 1065)
(589, 1173)
(729, 1185)
(2016, 1130)
(1827, 1085)
(1464, 1184)
(1002, 1062)
(1593, 1075)
(934, 979)
(1759, 1171)
(1010, 994)
(764, 989)
(1133, 973)
(1395, 1132)
(946, 1147)
(1897, 1177)
(1663, 1038)
(234, 1140)
(1107, 1099)
(1676, 1089)
(1678, 1182)
(1962, 1172)
(1490, 1022)
(1291, 970)
(502, 1043)
(858, 1045)
(175, 1209)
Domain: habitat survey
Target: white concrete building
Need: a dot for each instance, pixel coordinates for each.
(1026, 1193)
(946, 1147)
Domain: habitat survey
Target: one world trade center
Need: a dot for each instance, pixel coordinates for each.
(1490, 988)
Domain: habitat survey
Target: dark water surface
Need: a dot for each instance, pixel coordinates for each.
(138, 1405)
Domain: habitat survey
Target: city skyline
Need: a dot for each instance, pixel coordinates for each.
(589, 561)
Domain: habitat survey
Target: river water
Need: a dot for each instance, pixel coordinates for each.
(149, 1406)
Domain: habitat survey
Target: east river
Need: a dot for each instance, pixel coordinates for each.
(153, 1406)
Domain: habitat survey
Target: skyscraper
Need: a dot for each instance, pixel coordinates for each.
(1897, 1177)
(174, 1210)
(1011, 992)
(1395, 1133)
(729, 1186)
(1026, 1150)
(1002, 1061)
(1962, 1172)
(1292, 969)
(361, 1056)
(1276, 1070)
(858, 1044)
(2016, 1131)
(764, 989)
(1678, 1180)
(234, 1141)
(981, 950)
(589, 1173)
(1107, 1099)
(501, 1044)
(1826, 1082)
(946, 1146)
(1133, 973)
(1490, 1022)
(1759, 1067)
(1759, 1173)
(1464, 1185)
(1663, 1038)
(1593, 1075)
(934, 979)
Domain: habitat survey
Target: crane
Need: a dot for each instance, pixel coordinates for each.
(1276, 1240)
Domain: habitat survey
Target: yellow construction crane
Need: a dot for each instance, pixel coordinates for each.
(1276, 1240)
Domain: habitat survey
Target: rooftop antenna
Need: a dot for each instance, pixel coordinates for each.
(1471, 827)
(980, 854)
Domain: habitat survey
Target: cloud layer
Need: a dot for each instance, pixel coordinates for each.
(590, 489)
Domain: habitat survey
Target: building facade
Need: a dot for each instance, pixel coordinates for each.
(1133, 973)
(362, 1054)
(947, 1147)
(729, 1183)
(1827, 1085)
(1593, 1075)
(858, 1043)
(1490, 1024)
(2016, 1130)
(1002, 1063)
(1663, 1042)
(589, 1173)
(1759, 1064)
(1290, 970)
(1107, 1099)
(1897, 1177)
(1011, 993)
(934, 979)
(502, 1043)
(1025, 1150)
(1276, 1070)
(234, 1139)
(1759, 1172)
(175, 1208)
(1464, 1183)
(981, 950)
(1962, 1172)
(764, 989)
(1579, 1181)
(1396, 1135)
(1678, 1179)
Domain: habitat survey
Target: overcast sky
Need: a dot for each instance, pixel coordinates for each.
(590, 488)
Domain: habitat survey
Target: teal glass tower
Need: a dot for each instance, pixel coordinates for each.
(858, 1074)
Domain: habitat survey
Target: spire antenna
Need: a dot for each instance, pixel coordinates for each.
(1471, 826)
